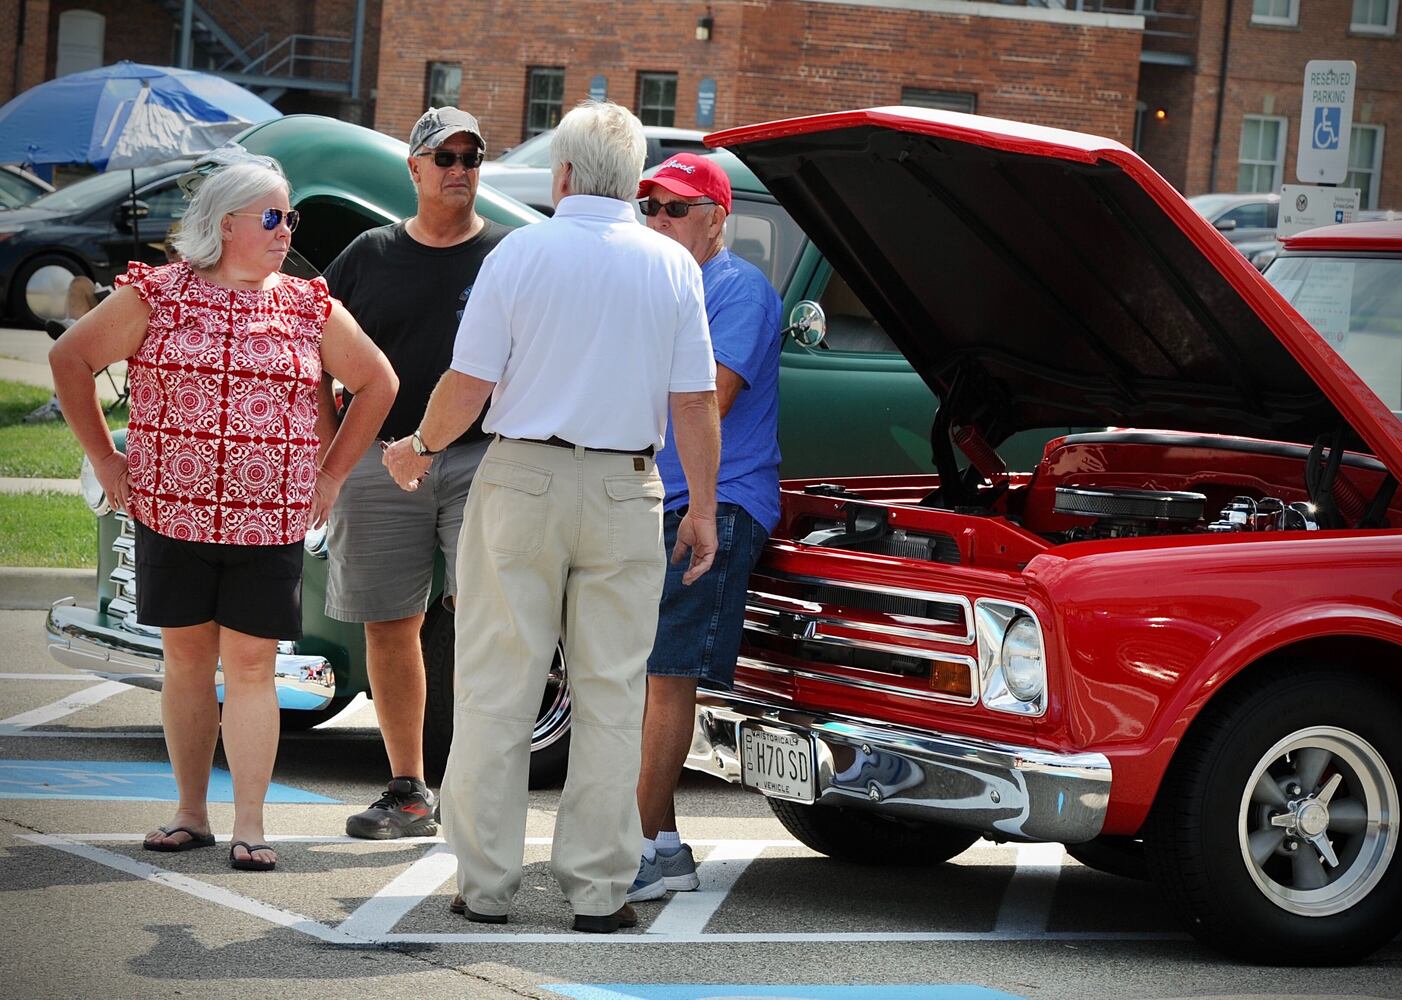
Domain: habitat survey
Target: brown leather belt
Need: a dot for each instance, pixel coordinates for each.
(560, 442)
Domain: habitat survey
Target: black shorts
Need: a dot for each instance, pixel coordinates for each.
(254, 589)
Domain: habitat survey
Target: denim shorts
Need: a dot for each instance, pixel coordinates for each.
(698, 629)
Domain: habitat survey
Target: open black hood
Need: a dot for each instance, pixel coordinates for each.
(1040, 278)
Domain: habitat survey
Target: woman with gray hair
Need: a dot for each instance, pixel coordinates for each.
(221, 472)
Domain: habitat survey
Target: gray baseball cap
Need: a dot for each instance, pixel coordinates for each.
(437, 124)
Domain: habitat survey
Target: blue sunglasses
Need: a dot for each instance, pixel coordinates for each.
(272, 217)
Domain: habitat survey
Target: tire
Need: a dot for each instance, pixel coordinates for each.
(1229, 838)
(868, 838)
(295, 721)
(1121, 856)
(39, 282)
(550, 743)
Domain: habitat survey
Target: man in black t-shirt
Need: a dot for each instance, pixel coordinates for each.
(406, 285)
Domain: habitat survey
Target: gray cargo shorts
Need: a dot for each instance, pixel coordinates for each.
(382, 541)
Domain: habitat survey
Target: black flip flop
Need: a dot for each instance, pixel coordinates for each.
(250, 863)
(196, 840)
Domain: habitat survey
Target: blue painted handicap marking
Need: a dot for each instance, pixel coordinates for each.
(119, 779)
(733, 991)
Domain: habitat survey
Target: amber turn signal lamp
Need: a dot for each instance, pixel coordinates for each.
(953, 679)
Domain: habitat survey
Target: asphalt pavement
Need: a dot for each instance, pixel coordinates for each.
(83, 775)
(84, 911)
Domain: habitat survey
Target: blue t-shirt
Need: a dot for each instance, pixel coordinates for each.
(743, 312)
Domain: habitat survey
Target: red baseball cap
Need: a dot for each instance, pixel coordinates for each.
(690, 176)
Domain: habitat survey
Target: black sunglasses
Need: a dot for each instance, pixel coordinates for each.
(675, 209)
(273, 216)
(445, 158)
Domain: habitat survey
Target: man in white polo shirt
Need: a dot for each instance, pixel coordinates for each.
(583, 330)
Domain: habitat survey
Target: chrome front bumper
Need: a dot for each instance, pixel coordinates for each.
(90, 640)
(1004, 791)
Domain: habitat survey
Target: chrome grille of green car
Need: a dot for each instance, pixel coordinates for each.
(123, 575)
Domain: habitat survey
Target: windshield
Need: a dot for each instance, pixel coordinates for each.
(534, 152)
(1356, 305)
(92, 191)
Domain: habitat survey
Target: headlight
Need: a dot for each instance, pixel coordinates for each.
(1023, 669)
(1011, 657)
(315, 542)
(92, 489)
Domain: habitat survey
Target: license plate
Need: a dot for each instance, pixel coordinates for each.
(777, 762)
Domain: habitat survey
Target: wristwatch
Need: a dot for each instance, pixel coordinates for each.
(417, 443)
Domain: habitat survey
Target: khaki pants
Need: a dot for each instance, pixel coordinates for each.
(554, 542)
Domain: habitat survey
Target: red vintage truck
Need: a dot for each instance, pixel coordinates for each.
(1174, 645)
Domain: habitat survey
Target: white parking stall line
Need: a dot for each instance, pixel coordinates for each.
(682, 922)
(377, 916)
(687, 913)
(806, 937)
(75, 702)
(46, 677)
(1027, 902)
(200, 890)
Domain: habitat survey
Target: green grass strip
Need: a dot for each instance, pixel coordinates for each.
(38, 451)
(46, 529)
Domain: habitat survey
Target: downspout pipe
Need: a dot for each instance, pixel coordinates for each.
(1221, 98)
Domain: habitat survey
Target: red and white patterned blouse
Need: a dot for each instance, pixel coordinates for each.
(222, 441)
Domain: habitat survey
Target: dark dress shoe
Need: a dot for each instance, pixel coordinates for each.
(624, 916)
(459, 906)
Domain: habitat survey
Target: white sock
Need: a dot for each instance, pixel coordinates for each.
(649, 849)
(668, 841)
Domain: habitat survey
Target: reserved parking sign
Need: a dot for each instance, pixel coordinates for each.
(1326, 119)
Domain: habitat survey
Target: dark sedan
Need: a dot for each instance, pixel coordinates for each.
(87, 228)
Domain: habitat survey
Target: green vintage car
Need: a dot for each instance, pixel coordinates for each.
(850, 406)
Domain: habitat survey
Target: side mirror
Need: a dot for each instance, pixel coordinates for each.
(1225, 225)
(808, 324)
(129, 211)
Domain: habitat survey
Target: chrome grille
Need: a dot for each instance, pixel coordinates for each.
(853, 625)
(123, 575)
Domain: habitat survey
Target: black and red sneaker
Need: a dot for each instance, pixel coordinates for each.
(407, 809)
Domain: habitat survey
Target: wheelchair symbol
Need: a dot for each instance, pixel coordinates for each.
(1326, 127)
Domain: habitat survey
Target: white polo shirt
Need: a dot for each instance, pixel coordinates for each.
(585, 322)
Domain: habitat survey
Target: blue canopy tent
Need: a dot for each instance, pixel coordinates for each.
(126, 115)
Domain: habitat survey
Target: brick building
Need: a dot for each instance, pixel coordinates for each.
(1230, 84)
(1208, 90)
(522, 62)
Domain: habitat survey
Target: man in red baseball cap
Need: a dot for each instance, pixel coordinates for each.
(698, 629)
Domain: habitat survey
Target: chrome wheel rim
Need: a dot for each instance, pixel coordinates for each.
(1317, 824)
(46, 291)
(553, 720)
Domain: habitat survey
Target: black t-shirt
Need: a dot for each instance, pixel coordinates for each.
(409, 299)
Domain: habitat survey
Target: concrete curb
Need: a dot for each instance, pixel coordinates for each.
(25, 588)
(68, 486)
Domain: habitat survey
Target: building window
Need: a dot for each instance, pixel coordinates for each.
(81, 34)
(1365, 163)
(545, 97)
(1275, 12)
(1262, 156)
(444, 87)
(945, 100)
(1375, 17)
(657, 98)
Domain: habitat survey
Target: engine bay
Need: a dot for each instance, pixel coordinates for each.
(1100, 485)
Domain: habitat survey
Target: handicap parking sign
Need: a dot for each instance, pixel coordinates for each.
(1327, 132)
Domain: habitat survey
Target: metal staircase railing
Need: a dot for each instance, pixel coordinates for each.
(231, 42)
